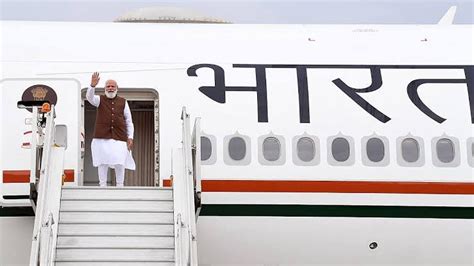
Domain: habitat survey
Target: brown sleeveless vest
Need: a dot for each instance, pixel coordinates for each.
(110, 120)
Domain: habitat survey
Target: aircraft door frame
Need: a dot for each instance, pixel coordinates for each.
(134, 94)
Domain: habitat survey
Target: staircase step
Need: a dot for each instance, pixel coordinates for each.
(114, 255)
(116, 230)
(116, 226)
(115, 242)
(119, 194)
(141, 188)
(88, 263)
(116, 217)
(78, 263)
(116, 206)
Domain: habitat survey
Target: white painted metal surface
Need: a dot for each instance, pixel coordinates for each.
(115, 217)
(184, 193)
(115, 225)
(45, 228)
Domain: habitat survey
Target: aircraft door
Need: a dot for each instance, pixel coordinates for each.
(144, 106)
(16, 130)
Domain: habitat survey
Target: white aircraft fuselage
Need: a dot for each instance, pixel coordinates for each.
(330, 144)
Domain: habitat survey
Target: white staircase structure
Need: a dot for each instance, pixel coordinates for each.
(114, 225)
(130, 225)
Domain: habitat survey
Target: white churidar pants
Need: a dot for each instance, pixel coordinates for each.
(110, 153)
(119, 174)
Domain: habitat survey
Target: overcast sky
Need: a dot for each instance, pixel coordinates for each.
(246, 11)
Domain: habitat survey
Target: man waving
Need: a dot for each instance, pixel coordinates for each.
(113, 135)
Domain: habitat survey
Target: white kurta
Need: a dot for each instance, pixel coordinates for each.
(112, 152)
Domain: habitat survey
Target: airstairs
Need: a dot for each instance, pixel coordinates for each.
(116, 225)
(79, 225)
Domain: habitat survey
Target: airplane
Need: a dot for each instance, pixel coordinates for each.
(319, 144)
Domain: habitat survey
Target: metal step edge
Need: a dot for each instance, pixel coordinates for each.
(69, 260)
(135, 225)
(121, 214)
(96, 223)
(108, 210)
(118, 223)
(127, 236)
(125, 211)
(101, 235)
(116, 188)
(113, 247)
(115, 199)
(128, 211)
(141, 263)
(75, 247)
(120, 211)
(109, 247)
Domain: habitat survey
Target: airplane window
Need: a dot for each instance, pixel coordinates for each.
(206, 148)
(445, 150)
(340, 149)
(410, 150)
(237, 148)
(305, 149)
(472, 150)
(271, 149)
(375, 150)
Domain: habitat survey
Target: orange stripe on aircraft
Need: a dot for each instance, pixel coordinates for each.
(23, 176)
(335, 186)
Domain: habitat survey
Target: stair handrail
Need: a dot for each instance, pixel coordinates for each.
(183, 190)
(47, 205)
(38, 224)
(178, 233)
(196, 144)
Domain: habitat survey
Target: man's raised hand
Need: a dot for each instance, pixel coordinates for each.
(95, 79)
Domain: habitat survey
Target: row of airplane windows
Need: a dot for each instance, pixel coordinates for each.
(305, 150)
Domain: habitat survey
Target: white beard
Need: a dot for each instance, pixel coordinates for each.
(111, 94)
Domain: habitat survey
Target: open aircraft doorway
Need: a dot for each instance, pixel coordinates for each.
(144, 106)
